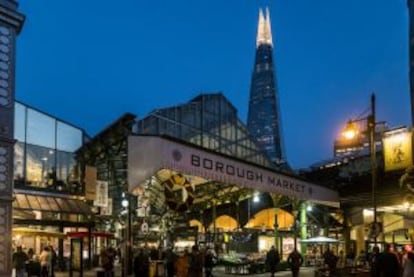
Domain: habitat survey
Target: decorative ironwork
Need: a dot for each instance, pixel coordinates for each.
(179, 200)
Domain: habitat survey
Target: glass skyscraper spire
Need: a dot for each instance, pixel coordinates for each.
(264, 122)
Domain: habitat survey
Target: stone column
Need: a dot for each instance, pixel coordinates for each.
(346, 232)
(303, 226)
(360, 239)
(214, 212)
(10, 24)
(276, 231)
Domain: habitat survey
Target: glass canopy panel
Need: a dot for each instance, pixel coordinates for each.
(22, 202)
(63, 205)
(35, 204)
(74, 206)
(52, 203)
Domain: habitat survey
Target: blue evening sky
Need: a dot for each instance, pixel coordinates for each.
(88, 62)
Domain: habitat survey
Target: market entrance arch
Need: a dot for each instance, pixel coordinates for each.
(160, 168)
(162, 157)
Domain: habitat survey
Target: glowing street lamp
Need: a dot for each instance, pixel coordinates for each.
(125, 203)
(350, 132)
(256, 198)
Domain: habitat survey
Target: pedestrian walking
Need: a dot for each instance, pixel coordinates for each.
(272, 260)
(107, 261)
(169, 261)
(408, 269)
(53, 261)
(45, 260)
(182, 264)
(209, 261)
(350, 258)
(388, 264)
(195, 263)
(330, 260)
(19, 260)
(141, 264)
(295, 260)
(374, 262)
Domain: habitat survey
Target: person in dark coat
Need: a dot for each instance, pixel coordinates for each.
(195, 263)
(53, 262)
(141, 264)
(295, 260)
(154, 255)
(272, 260)
(330, 260)
(170, 258)
(373, 261)
(107, 261)
(209, 258)
(388, 264)
(19, 259)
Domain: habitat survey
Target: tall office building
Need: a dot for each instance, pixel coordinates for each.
(264, 122)
(411, 49)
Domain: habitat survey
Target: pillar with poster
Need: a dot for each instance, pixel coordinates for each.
(76, 258)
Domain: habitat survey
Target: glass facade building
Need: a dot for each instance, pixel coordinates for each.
(48, 193)
(44, 150)
(264, 122)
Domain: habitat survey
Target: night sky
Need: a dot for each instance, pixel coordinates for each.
(88, 62)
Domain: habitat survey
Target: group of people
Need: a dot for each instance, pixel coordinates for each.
(167, 262)
(24, 262)
(108, 256)
(388, 263)
(186, 264)
(295, 261)
(391, 263)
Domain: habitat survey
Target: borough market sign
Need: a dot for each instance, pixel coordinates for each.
(149, 154)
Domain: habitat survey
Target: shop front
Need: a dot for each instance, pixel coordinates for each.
(43, 220)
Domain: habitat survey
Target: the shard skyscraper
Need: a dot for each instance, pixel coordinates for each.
(264, 122)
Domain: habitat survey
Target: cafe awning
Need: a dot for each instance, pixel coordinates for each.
(320, 239)
(37, 232)
(32, 202)
(93, 234)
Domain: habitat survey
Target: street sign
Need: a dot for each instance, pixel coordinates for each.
(375, 229)
(144, 227)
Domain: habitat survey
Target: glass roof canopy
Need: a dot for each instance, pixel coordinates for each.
(209, 121)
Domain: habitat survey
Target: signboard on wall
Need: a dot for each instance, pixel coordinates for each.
(90, 182)
(197, 161)
(108, 209)
(397, 149)
(144, 207)
(101, 194)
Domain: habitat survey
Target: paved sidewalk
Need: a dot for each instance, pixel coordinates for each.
(218, 272)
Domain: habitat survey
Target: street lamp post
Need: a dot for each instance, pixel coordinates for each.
(350, 133)
(128, 243)
(373, 150)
